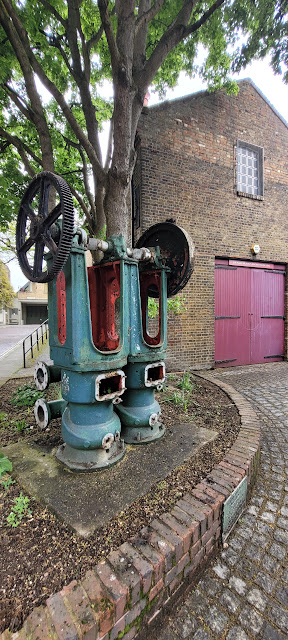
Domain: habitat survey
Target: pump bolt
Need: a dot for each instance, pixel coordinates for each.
(108, 441)
(153, 419)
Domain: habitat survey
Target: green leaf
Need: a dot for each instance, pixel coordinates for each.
(5, 464)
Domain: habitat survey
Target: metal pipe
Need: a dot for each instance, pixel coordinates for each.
(94, 244)
(44, 374)
(142, 254)
(44, 411)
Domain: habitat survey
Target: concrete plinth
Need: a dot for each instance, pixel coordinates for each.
(88, 500)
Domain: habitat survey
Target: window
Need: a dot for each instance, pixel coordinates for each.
(250, 170)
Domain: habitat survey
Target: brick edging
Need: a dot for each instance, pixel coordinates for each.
(124, 594)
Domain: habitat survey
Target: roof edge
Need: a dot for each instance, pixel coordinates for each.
(205, 91)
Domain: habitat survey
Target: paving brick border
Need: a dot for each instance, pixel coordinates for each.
(123, 596)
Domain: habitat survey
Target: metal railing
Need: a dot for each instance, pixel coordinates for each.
(40, 333)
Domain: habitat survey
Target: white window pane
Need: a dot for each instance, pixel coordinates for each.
(247, 170)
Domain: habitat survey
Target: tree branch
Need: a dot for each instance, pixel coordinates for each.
(54, 42)
(21, 148)
(86, 183)
(77, 146)
(83, 207)
(176, 32)
(107, 26)
(140, 37)
(110, 145)
(82, 78)
(18, 38)
(54, 12)
(57, 95)
(196, 25)
(145, 16)
(18, 101)
(94, 40)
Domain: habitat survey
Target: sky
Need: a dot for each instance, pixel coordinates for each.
(259, 72)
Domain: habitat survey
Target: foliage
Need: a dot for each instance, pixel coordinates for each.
(5, 464)
(265, 23)
(56, 60)
(20, 509)
(182, 398)
(186, 382)
(26, 396)
(20, 425)
(6, 290)
(175, 305)
(6, 481)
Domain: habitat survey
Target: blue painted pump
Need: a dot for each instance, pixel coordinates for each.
(109, 394)
(104, 354)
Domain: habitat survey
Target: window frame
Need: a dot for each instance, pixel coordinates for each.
(260, 153)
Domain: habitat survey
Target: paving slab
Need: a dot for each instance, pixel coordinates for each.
(11, 362)
(87, 500)
(243, 595)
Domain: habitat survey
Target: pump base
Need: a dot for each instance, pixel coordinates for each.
(142, 435)
(90, 460)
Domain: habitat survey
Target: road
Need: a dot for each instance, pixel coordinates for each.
(10, 335)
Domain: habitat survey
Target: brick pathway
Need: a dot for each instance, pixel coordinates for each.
(244, 593)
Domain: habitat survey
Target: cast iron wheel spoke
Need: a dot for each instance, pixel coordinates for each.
(44, 198)
(39, 230)
(26, 245)
(29, 212)
(50, 244)
(38, 258)
(52, 217)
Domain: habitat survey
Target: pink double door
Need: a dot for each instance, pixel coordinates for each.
(249, 312)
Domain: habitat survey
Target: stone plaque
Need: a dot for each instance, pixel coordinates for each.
(233, 507)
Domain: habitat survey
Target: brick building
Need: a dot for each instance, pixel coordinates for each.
(218, 165)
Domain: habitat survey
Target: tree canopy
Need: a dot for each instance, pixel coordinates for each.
(56, 59)
(6, 291)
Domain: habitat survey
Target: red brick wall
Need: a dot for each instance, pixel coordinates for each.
(187, 171)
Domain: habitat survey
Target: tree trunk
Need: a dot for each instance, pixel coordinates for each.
(116, 208)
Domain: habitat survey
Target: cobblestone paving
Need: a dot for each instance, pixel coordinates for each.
(244, 593)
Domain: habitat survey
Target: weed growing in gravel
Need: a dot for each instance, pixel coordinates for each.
(20, 425)
(179, 398)
(5, 464)
(186, 383)
(6, 481)
(26, 396)
(182, 398)
(20, 509)
(3, 420)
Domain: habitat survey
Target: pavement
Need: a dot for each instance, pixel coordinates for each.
(12, 334)
(11, 352)
(244, 593)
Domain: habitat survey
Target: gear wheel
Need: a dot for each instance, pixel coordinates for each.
(177, 252)
(37, 229)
